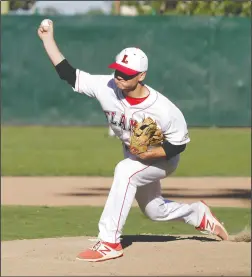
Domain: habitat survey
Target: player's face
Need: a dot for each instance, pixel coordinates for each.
(128, 82)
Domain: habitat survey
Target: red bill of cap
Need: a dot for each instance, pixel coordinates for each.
(123, 69)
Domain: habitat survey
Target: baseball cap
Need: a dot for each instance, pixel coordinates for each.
(130, 61)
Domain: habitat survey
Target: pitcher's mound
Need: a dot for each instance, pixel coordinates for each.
(143, 255)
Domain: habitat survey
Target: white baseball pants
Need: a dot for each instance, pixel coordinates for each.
(141, 180)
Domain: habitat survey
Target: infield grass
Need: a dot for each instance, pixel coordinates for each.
(54, 151)
(21, 222)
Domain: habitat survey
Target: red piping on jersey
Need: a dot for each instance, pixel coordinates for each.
(125, 197)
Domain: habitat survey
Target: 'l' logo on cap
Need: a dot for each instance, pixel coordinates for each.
(124, 60)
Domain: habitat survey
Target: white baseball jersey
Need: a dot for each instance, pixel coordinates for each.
(121, 115)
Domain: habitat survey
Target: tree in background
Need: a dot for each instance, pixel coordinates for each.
(24, 5)
(95, 12)
(167, 7)
(51, 11)
(222, 8)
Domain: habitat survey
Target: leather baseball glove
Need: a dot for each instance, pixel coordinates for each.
(145, 134)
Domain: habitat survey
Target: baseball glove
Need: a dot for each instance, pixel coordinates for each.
(145, 134)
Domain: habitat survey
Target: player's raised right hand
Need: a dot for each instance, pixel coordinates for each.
(45, 30)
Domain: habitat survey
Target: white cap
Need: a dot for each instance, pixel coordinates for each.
(131, 61)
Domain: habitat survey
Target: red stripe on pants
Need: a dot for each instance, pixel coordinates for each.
(125, 197)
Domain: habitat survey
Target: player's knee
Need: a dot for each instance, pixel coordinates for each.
(155, 211)
(151, 211)
(124, 169)
(151, 214)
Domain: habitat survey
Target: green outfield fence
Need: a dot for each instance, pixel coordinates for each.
(201, 63)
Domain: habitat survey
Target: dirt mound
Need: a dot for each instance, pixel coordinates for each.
(144, 255)
(147, 255)
(61, 191)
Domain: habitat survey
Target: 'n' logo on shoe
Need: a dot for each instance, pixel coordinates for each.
(105, 249)
(208, 224)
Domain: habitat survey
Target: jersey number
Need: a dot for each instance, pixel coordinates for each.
(124, 60)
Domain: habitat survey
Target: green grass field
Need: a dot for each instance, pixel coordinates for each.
(33, 151)
(87, 151)
(21, 222)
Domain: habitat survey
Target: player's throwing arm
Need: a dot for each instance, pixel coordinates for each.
(45, 32)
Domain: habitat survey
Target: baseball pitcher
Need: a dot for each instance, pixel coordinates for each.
(153, 132)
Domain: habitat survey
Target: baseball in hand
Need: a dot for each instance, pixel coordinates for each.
(45, 24)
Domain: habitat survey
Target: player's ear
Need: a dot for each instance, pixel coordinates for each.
(142, 76)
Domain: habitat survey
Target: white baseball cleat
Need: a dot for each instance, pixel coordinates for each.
(101, 251)
(211, 225)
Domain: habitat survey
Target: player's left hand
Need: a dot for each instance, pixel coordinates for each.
(154, 153)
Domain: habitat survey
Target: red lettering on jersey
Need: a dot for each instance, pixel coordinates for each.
(122, 122)
(112, 120)
(124, 60)
(132, 124)
(107, 114)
